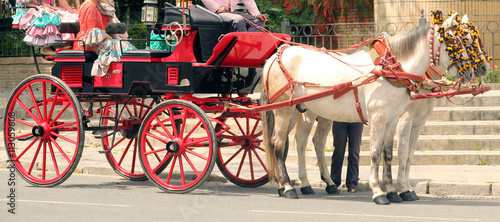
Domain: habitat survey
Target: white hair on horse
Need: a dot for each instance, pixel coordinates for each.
(380, 102)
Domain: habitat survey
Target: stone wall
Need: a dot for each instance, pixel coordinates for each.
(15, 69)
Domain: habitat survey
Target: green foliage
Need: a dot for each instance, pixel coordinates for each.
(493, 76)
(275, 13)
(477, 147)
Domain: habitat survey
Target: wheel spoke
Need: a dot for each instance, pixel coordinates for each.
(27, 148)
(172, 120)
(54, 100)
(35, 103)
(59, 114)
(24, 122)
(191, 164)
(63, 137)
(192, 130)
(239, 126)
(168, 156)
(151, 148)
(44, 92)
(197, 154)
(233, 156)
(169, 135)
(35, 157)
(125, 152)
(134, 153)
(171, 170)
(44, 159)
(63, 125)
(28, 111)
(60, 150)
(260, 160)
(54, 161)
(250, 162)
(256, 125)
(241, 163)
(181, 168)
(157, 137)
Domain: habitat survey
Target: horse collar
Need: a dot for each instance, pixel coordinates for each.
(433, 54)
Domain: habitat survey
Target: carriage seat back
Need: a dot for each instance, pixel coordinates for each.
(80, 55)
(209, 25)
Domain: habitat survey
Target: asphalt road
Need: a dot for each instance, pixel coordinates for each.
(110, 198)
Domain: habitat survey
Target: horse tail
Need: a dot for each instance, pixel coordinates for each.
(267, 132)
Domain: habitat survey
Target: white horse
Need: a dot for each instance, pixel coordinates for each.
(380, 102)
(408, 130)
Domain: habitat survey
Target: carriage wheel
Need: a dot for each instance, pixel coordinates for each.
(177, 136)
(44, 132)
(240, 157)
(123, 158)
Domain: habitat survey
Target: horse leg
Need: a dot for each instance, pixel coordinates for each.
(415, 133)
(377, 127)
(306, 121)
(319, 141)
(282, 128)
(392, 195)
(404, 130)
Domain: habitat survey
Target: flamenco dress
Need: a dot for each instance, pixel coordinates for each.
(43, 31)
(93, 35)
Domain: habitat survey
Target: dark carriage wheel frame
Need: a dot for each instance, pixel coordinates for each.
(45, 116)
(245, 134)
(135, 111)
(193, 150)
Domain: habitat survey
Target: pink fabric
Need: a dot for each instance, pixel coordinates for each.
(214, 5)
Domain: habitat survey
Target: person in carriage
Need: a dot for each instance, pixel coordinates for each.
(226, 9)
(94, 16)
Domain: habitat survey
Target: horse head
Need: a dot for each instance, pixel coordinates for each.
(474, 47)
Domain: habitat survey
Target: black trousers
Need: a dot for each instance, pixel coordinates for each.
(342, 133)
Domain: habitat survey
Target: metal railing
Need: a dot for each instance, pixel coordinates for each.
(330, 36)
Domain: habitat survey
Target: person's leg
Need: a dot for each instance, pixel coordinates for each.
(235, 20)
(339, 141)
(355, 134)
(252, 19)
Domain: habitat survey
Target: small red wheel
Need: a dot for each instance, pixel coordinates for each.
(44, 132)
(123, 158)
(240, 157)
(177, 146)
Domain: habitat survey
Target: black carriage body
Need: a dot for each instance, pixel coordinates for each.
(144, 78)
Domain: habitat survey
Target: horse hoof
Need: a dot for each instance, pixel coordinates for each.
(307, 190)
(280, 191)
(393, 197)
(381, 200)
(415, 197)
(407, 196)
(291, 194)
(332, 189)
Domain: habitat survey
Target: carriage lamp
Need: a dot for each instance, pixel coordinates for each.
(149, 14)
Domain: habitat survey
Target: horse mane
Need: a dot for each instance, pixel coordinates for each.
(403, 45)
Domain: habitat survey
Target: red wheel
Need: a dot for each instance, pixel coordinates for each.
(177, 146)
(240, 157)
(44, 132)
(123, 158)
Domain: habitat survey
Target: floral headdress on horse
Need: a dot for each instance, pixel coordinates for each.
(468, 38)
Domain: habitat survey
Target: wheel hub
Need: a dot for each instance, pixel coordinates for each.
(134, 131)
(173, 147)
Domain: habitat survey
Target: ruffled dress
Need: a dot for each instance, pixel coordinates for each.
(43, 31)
(20, 12)
(93, 35)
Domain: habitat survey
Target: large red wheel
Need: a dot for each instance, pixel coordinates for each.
(44, 132)
(123, 158)
(177, 146)
(240, 157)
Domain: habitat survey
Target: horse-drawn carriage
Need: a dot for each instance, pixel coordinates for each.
(170, 115)
(173, 112)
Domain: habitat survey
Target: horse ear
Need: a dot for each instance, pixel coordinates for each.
(465, 19)
(449, 22)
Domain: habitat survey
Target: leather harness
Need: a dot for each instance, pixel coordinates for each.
(386, 65)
